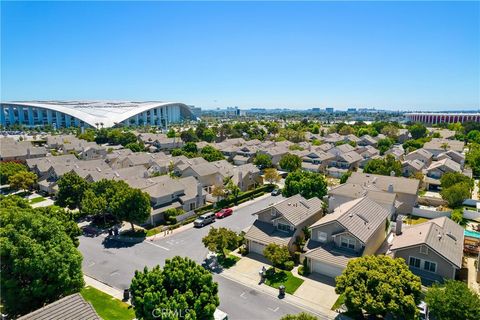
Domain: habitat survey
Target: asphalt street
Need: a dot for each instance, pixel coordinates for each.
(114, 263)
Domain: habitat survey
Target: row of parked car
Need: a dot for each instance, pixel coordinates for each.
(210, 217)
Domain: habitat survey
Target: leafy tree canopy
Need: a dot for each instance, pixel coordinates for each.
(308, 184)
(453, 300)
(39, 260)
(70, 190)
(456, 194)
(300, 316)
(276, 254)
(220, 240)
(262, 160)
(418, 131)
(384, 166)
(8, 169)
(23, 180)
(379, 285)
(182, 285)
(290, 162)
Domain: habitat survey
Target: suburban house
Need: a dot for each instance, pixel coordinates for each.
(160, 141)
(355, 228)
(438, 168)
(421, 155)
(367, 140)
(396, 151)
(438, 145)
(347, 192)
(247, 177)
(345, 159)
(11, 150)
(93, 152)
(282, 223)
(411, 167)
(433, 249)
(40, 166)
(209, 174)
(452, 155)
(406, 189)
(403, 135)
(71, 307)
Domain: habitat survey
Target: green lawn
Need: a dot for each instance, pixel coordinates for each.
(415, 220)
(339, 302)
(286, 278)
(107, 307)
(229, 261)
(37, 199)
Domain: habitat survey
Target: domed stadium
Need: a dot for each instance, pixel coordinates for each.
(93, 113)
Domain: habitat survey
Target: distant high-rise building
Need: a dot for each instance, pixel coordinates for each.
(329, 110)
(196, 111)
(315, 109)
(352, 110)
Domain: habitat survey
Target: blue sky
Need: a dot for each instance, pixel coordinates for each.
(396, 55)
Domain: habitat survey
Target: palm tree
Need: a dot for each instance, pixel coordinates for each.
(444, 146)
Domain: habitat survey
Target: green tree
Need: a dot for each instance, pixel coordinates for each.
(453, 300)
(102, 136)
(451, 178)
(300, 316)
(219, 192)
(70, 190)
(211, 154)
(188, 135)
(88, 134)
(412, 145)
(127, 138)
(345, 176)
(384, 166)
(456, 194)
(379, 285)
(209, 135)
(390, 131)
(278, 255)
(190, 147)
(384, 145)
(418, 131)
(233, 190)
(135, 146)
(131, 205)
(472, 158)
(94, 204)
(23, 180)
(290, 162)
(272, 176)
(170, 215)
(182, 285)
(306, 183)
(221, 240)
(39, 261)
(8, 169)
(262, 160)
(171, 133)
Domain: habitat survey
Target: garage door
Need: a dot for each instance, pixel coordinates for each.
(256, 247)
(326, 269)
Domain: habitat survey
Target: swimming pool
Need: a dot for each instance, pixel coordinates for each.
(472, 234)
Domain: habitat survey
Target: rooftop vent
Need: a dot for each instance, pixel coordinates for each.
(451, 236)
(363, 218)
(439, 236)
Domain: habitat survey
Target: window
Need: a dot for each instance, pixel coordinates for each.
(414, 262)
(283, 227)
(192, 206)
(347, 243)
(430, 266)
(322, 236)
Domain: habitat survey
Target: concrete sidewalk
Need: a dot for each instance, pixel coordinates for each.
(162, 235)
(114, 292)
(246, 272)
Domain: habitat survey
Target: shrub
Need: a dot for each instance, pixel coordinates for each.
(301, 270)
(289, 265)
(296, 257)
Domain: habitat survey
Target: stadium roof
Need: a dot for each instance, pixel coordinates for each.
(107, 112)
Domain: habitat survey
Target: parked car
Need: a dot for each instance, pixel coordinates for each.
(224, 213)
(220, 315)
(276, 192)
(423, 311)
(204, 219)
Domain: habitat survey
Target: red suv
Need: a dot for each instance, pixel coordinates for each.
(224, 213)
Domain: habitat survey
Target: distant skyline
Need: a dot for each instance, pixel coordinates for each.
(418, 56)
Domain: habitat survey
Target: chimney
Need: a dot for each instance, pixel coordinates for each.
(199, 195)
(390, 188)
(145, 174)
(398, 225)
(240, 179)
(392, 173)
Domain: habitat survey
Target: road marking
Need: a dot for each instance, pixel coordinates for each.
(156, 245)
(243, 295)
(114, 273)
(274, 310)
(91, 264)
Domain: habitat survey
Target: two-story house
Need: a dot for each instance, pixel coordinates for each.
(354, 229)
(281, 223)
(433, 250)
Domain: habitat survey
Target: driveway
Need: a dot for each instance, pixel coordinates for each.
(316, 292)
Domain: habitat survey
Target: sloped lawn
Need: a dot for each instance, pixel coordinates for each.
(279, 277)
(107, 307)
